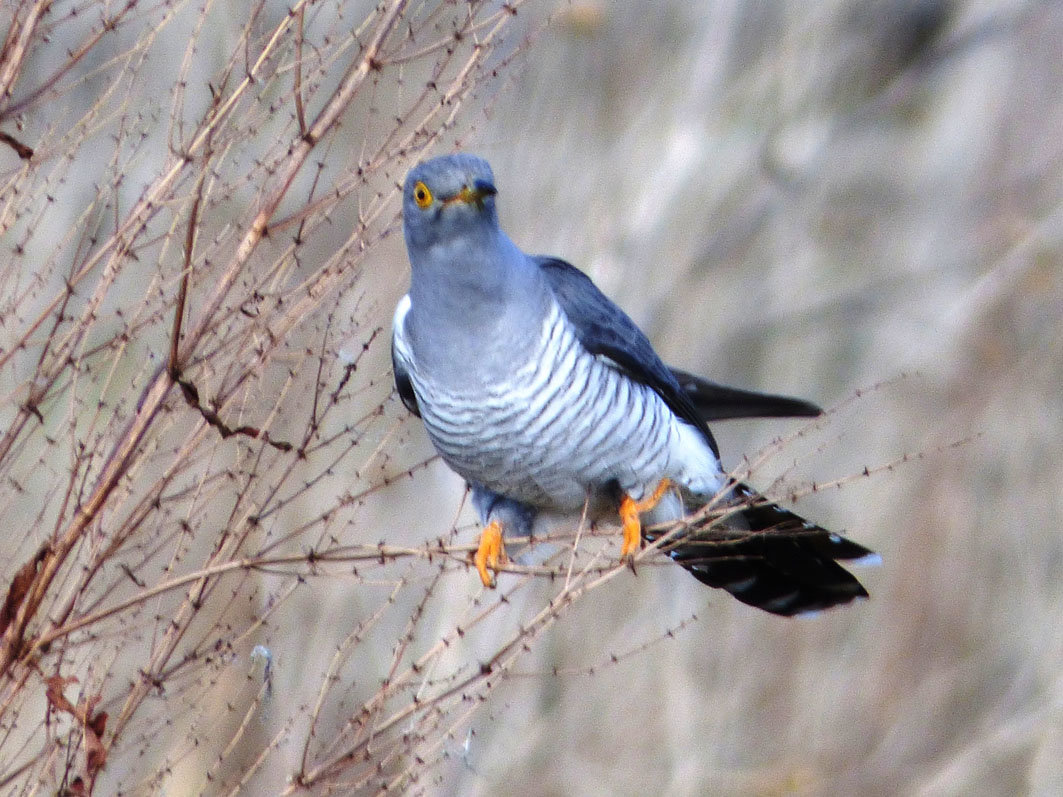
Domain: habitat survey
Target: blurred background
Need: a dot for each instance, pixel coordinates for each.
(860, 204)
(813, 198)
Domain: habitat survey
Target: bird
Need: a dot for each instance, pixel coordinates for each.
(547, 398)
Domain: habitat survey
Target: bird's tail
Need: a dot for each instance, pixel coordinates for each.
(772, 559)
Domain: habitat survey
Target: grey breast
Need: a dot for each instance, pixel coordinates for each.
(556, 423)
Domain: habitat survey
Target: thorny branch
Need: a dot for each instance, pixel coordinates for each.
(221, 253)
(143, 480)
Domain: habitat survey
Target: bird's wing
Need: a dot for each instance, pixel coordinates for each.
(605, 330)
(402, 376)
(720, 403)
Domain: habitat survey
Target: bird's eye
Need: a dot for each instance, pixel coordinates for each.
(421, 195)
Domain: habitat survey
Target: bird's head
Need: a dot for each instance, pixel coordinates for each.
(448, 199)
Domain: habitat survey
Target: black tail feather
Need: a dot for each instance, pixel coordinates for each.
(772, 559)
(715, 402)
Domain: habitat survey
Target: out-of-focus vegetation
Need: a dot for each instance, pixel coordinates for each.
(227, 529)
(816, 197)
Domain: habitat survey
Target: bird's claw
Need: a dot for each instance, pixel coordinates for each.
(629, 517)
(490, 553)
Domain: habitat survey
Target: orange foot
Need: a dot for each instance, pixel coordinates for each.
(629, 516)
(490, 554)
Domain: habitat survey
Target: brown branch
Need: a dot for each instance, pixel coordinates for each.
(301, 149)
(15, 49)
(12, 644)
(108, 25)
(300, 113)
(21, 149)
(124, 452)
(186, 273)
(191, 395)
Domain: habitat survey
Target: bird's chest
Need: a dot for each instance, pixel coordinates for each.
(547, 425)
(479, 401)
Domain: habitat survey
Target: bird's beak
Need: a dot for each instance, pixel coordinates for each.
(474, 194)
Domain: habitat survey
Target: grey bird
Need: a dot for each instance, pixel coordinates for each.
(547, 398)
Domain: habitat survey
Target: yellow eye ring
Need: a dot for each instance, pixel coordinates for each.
(421, 195)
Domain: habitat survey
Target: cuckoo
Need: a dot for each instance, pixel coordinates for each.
(547, 398)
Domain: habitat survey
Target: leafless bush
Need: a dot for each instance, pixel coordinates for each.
(194, 202)
(218, 579)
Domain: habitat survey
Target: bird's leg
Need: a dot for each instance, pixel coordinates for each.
(491, 553)
(629, 517)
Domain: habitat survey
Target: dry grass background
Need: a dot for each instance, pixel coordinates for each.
(813, 198)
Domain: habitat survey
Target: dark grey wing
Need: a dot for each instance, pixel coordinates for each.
(605, 329)
(717, 402)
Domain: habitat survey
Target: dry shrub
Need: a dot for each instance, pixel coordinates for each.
(195, 205)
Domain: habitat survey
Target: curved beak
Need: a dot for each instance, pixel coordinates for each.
(474, 194)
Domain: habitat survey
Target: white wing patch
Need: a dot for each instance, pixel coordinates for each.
(398, 321)
(398, 329)
(696, 465)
